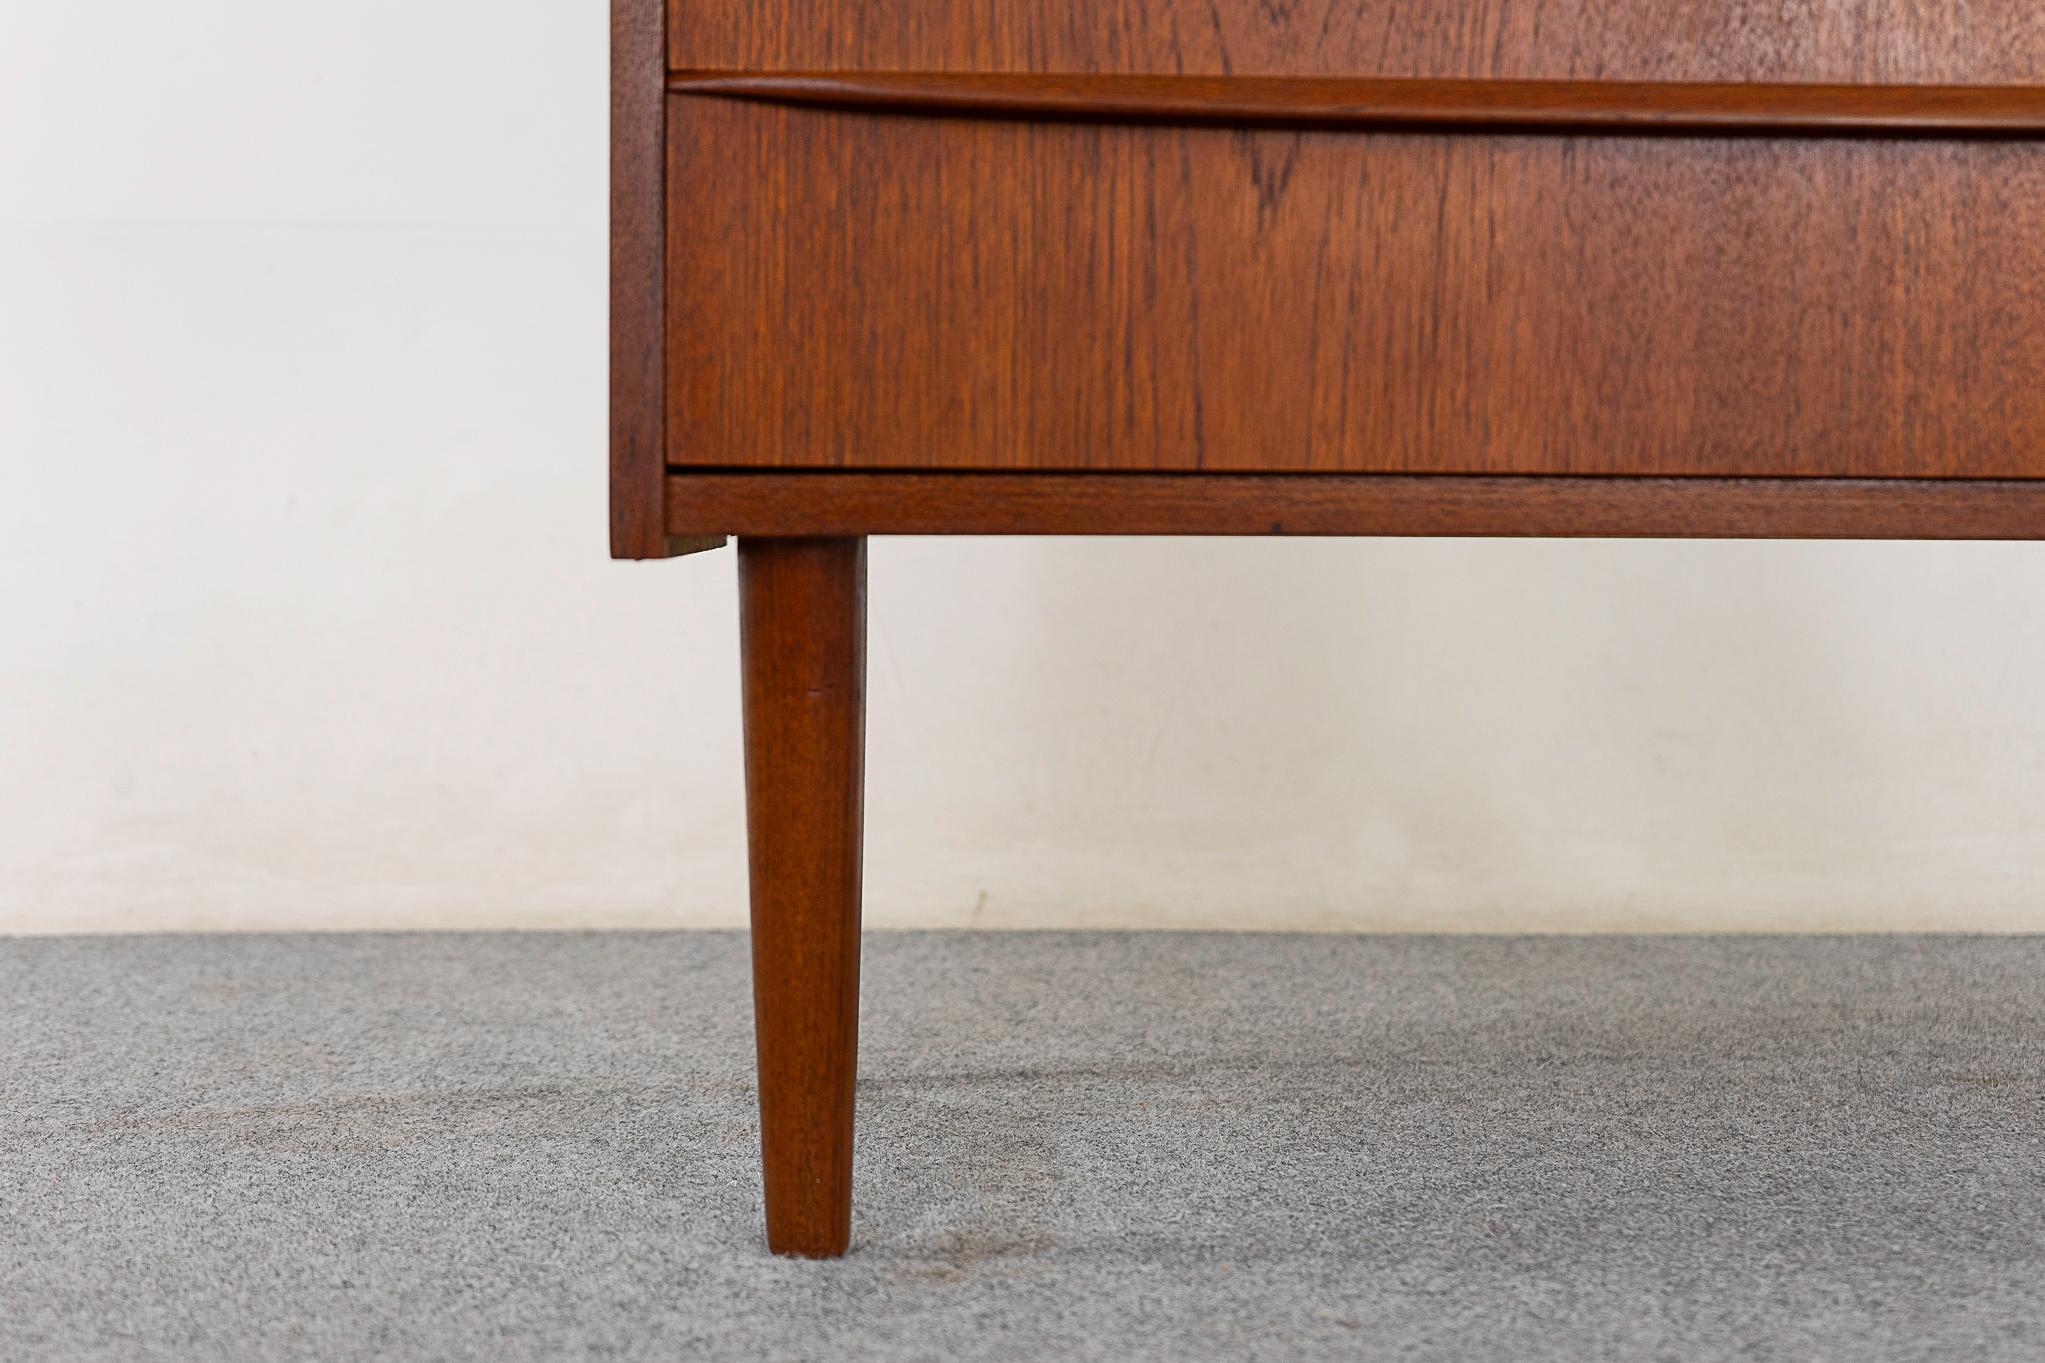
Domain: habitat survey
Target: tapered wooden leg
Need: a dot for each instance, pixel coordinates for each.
(802, 620)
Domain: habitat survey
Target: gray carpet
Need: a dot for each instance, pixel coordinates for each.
(1072, 1147)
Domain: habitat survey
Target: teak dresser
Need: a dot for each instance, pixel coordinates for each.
(1319, 267)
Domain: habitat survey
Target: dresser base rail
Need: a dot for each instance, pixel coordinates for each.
(770, 502)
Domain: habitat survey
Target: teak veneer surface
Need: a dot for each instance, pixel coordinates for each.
(782, 502)
(865, 290)
(1981, 42)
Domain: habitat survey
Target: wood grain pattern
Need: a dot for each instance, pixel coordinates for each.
(802, 626)
(638, 299)
(1595, 107)
(1932, 42)
(790, 503)
(876, 292)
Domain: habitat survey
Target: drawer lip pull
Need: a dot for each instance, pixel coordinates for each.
(1640, 108)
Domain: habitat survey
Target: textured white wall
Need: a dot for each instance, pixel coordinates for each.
(305, 619)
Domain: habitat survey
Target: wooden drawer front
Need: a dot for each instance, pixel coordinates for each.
(1892, 41)
(854, 289)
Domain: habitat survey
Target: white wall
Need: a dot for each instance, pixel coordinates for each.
(305, 620)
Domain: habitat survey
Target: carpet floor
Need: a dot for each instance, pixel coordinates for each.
(1072, 1146)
